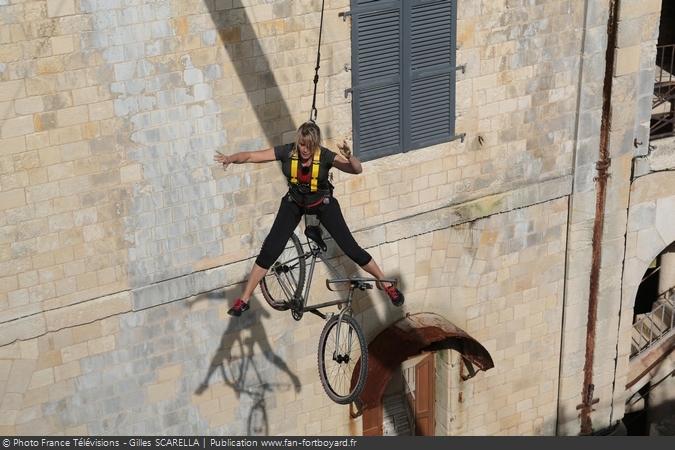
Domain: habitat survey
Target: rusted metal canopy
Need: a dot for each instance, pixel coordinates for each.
(410, 336)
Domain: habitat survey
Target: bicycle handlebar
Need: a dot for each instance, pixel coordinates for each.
(358, 282)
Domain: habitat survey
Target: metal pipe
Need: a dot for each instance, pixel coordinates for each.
(602, 166)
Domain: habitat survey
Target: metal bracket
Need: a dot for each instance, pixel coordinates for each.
(344, 15)
(462, 68)
(589, 400)
(593, 402)
(469, 367)
(348, 92)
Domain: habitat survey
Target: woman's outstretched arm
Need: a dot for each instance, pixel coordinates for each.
(259, 156)
(345, 161)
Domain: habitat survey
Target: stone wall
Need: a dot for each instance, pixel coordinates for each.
(176, 368)
(650, 231)
(118, 234)
(628, 124)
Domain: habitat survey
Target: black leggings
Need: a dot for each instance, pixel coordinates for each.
(288, 217)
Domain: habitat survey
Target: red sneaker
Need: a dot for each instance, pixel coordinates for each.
(395, 295)
(239, 307)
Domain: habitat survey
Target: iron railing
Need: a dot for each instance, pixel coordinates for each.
(409, 396)
(654, 325)
(663, 101)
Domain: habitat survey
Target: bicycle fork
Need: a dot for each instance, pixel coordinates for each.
(337, 357)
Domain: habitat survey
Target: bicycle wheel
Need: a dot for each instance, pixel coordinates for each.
(286, 277)
(257, 420)
(339, 360)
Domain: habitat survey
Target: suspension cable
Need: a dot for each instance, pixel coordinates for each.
(313, 113)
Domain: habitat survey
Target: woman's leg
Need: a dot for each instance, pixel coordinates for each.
(332, 219)
(287, 219)
(254, 278)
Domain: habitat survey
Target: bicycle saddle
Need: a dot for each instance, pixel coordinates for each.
(313, 232)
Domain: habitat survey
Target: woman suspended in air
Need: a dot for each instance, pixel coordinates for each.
(306, 165)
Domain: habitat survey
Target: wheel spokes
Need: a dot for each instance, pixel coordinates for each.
(340, 358)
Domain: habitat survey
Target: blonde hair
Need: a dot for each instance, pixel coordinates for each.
(310, 134)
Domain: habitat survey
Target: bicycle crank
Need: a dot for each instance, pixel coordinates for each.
(296, 308)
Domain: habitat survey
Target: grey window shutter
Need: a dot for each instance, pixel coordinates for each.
(377, 35)
(429, 79)
(403, 75)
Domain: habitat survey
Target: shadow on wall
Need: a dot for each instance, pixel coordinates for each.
(252, 102)
(249, 373)
(248, 54)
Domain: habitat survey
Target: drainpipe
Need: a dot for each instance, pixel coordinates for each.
(602, 166)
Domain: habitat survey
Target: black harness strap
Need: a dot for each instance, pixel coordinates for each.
(313, 113)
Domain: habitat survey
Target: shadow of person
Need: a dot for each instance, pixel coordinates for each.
(218, 295)
(237, 35)
(236, 350)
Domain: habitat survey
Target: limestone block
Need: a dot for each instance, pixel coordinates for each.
(10, 90)
(62, 45)
(20, 376)
(41, 378)
(627, 60)
(67, 371)
(630, 9)
(662, 156)
(103, 344)
(58, 8)
(88, 311)
(17, 126)
(72, 116)
(12, 199)
(29, 349)
(649, 245)
(161, 391)
(665, 219)
(29, 105)
(74, 352)
(101, 110)
(172, 372)
(24, 328)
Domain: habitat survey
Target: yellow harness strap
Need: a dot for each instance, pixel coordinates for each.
(315, 170)
(294, 170)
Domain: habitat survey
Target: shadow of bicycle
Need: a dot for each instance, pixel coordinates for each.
(248, 372)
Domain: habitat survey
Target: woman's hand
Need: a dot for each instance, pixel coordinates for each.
(345, 161)
(259, 156)
(345, 149)
(225, 160)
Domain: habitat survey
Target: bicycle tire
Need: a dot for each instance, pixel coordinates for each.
(291, 265)
(336, 376)
(257, 421)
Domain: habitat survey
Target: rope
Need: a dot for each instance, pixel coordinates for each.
(313, 113)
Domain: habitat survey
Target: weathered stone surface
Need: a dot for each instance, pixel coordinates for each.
(122, 245)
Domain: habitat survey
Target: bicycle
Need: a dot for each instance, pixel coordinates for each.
(237, 373)
(342, 352)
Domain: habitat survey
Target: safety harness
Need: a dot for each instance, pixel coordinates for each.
(314, 183)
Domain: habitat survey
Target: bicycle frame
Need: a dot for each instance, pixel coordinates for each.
(295, 278)
(313, 254)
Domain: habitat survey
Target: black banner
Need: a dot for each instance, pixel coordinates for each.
(333, 442)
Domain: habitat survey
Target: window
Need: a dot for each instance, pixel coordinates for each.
(403, 75)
